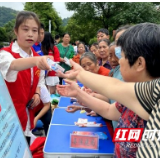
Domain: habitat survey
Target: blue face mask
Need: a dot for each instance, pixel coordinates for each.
(118, 52)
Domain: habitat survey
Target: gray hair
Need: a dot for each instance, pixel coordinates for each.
(89, 55)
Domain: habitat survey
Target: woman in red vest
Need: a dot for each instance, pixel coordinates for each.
(19, 56)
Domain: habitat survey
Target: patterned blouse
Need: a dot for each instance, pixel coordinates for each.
(128, 119)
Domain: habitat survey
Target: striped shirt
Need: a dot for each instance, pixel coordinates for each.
(148, 94)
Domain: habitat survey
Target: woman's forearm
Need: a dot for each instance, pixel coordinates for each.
(43, 111)
(38, 90)
(107, 86)
(23, 63)
(115, 89)
(97, 105)
(99, 96)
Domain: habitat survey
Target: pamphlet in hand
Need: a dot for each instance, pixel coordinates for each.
(67, 61)
(55, 66)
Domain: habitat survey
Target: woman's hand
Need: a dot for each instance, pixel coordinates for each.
(69, 90)
(72, 109)
(41, 62)
(72, 74)
(87, 90)
(36, 101)
(62, 59)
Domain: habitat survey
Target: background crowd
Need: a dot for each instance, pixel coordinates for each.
(33, 45)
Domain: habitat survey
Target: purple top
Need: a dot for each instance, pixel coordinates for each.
(106, 65)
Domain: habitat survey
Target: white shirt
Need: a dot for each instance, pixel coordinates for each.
(10, 76)
(75, 50)
(6, 59)
(45, 95)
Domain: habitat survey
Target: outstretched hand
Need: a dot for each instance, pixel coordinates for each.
(69, 90)
(72, 74)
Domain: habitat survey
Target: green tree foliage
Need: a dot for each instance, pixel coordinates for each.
(110, 15)
(10, 30)
(46, 12)
(6, 14)
(117, 13)
(3, 35)
(81, 31)
(65, 21)
(87, 19)
(156, 3)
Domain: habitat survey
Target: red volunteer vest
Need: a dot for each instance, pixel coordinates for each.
(21, 90)
(56, 58)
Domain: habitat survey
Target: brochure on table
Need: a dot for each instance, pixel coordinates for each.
(12, 141)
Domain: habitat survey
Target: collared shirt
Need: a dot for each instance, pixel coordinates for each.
(10, 75)
(6, 60)
(37, 48)
(106, 65)
(67, 52)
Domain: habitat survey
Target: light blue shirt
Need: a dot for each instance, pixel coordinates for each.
(116, 74)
